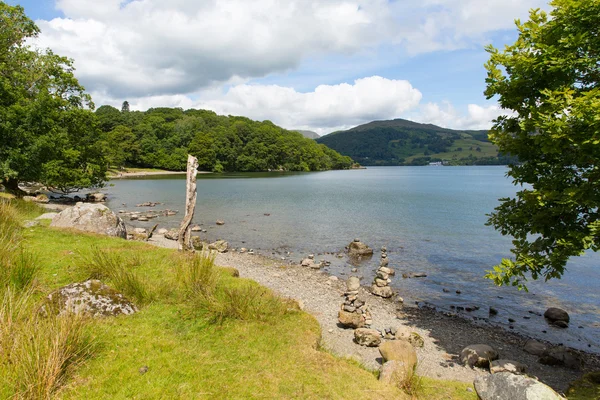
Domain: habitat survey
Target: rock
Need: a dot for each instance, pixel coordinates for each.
(91, 298)
(220, 222)
(96, 218)
(384, 291)
(49, 215)
(143, 370)
(387, 270)
(307, 262)
(514, 367)
(560, 355)
(41, 198)
(353, 284)
(97, 197)
(172, 234)
(414, 275)
(478, 355)
(220, 245)
(356, 249)
(367, 337)
(382, 275)
(508, 386)
(162, 231)
(560, 324)
(140, 230)
(534, 347)
(351, 320)
(333, 278)
(394, 372)
(554, 314)
(243, 250)
(196, 228)
(399, 350)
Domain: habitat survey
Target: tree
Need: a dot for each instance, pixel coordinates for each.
(549, 80)
(47, 130)
(125, 107)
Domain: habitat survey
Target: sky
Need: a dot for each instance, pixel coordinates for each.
(303, 64)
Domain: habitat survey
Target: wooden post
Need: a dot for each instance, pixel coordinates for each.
(185, 232)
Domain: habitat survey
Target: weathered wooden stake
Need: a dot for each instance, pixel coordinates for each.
(185, 232)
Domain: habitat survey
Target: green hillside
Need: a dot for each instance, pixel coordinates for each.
(403, 142)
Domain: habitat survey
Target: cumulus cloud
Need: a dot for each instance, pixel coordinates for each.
(155, 47)
(446, 116)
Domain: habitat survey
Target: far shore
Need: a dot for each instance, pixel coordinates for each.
(123, 175)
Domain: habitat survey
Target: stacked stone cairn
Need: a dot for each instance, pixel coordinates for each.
(354, 311)
(382, 280)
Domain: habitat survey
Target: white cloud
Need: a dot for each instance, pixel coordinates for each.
(156, 47)
(446, 116)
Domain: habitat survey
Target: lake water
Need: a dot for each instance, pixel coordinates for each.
(431, 219)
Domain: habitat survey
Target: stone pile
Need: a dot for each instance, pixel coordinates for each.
(382, 280)
(354, 311)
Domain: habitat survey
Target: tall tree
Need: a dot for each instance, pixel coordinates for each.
(47, 130)
(549, 80)
(125, 107)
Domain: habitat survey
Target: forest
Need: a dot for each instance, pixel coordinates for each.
(162, 138)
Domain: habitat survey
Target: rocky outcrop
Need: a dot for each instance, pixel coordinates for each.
(359, 249)
(508, 386)
(382, 279)
(478, 355)
(96, 218)
(92, 298)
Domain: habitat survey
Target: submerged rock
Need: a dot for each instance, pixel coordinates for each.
(359, 249)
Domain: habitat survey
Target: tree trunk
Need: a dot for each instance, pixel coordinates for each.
(12, 186)
(185, 232)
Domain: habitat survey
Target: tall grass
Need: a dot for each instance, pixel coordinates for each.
(120, 271)
(198, 276)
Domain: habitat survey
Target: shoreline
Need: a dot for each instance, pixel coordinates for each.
(125, 175)
(444, 335)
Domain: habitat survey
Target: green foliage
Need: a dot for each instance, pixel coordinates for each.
(162, 138)
(47, 131)
(549, 78)
(402, 142)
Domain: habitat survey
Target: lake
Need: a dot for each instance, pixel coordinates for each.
(431, 219)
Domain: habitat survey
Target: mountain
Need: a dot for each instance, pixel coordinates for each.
(403, 142)
(308, 134)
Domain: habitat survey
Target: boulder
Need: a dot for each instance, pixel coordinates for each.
(359, 249)
(172, 234)
(351, 319)
(514, 367)
(220, 222)
(42, 199)
(91, 298)
(307, 262)
(478, 355)
(367, 337)
(560, 355)
(405, 333)
(534, 347)
(220, 245)
(162, 231)
(508, 386)
(384, 291)
(399, 350)
(353, 284)
(554, 314)
(96, 218)
(196, 228)
(394, 372)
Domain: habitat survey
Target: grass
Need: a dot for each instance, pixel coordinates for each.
(200, 332)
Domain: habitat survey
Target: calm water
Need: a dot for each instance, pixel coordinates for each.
(431, 219)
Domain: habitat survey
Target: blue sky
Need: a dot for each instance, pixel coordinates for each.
(305, 64)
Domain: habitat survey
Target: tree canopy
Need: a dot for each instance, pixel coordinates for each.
(47, 128)
(549, 81)
(162, 138)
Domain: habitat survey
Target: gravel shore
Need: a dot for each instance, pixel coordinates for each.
(444, 336)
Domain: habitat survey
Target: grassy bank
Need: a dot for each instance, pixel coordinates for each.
(200, 331)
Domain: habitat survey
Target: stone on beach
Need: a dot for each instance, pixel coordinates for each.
(353, 284)
(367, 337)
(359, 249)
(384, 291)
(394, 372)
(554, 314)
(514, 367)
(399, 350)
(478, 355)
(560, 355)
(534, 347)
(351, 319)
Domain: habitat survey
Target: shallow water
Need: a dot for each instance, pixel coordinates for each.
(431, 219)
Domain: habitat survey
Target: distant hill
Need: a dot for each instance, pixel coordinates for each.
(403, 142)
(308, 134)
